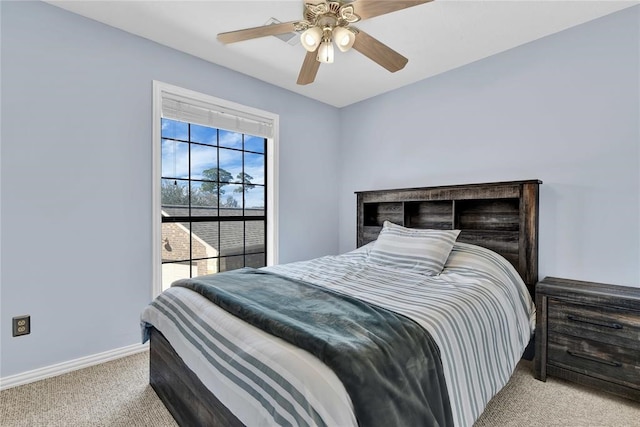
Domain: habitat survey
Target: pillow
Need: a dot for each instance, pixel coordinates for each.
(421, 251)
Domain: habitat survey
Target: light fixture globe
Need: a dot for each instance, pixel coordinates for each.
(325, 52)
(344, 38)
(311, 38)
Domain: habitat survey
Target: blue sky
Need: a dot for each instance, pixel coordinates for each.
(175, 157)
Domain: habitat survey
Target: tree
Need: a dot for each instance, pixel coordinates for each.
(174, 194)
(207, 194)
(231, 202)
(203, 198)
(244, 178)
(219, 178)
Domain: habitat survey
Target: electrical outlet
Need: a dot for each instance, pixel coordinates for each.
(21, 325)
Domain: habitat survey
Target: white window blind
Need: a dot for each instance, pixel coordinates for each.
(177, 107)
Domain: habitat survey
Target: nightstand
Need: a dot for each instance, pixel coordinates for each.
(589, 333)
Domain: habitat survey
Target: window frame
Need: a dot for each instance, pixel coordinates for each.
(271, 166)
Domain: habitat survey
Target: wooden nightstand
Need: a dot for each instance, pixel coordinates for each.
(589, 333)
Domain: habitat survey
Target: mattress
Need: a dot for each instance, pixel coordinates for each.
(477, 309)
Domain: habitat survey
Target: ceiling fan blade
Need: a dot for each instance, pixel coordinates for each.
(309, 69)
(379, 52)
(370, 8)
(253, 33)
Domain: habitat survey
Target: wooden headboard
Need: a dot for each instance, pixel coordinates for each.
(501, 216)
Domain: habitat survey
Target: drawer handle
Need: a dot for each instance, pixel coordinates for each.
(593, 359)
(594, 322)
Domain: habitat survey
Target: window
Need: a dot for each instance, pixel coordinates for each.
(214, 186)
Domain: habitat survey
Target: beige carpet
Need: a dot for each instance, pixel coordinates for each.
(117, 394)
(527, 402)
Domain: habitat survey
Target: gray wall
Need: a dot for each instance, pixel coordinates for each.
(76, 162)
(76, 177)
(563, 109)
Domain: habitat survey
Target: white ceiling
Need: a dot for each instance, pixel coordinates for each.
(436, 36)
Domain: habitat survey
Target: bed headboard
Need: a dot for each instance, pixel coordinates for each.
(501, 216)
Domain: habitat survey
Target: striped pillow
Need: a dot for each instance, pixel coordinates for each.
(422, 251)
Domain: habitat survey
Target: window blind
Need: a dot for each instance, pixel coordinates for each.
(177, 107)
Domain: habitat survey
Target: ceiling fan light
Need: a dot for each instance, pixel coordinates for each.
(311, 38)
(325, 52)
(344, 38)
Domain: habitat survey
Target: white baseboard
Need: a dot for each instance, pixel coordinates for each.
(71, 365)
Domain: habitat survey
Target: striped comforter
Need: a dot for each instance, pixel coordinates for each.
(478, 311)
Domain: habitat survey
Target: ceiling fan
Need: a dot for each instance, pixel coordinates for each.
(327, 22)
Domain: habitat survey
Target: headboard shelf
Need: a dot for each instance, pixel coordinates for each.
(488, 214)
(429, 214)
(501, 216)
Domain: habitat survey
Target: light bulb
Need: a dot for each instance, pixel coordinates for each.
(311, 38)
(325, 52)
(344, 38)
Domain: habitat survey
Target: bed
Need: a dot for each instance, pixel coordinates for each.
(211, 368)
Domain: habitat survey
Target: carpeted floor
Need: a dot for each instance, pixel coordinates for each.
(118, 394)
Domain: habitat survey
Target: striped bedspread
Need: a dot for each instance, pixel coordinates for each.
(477, 310)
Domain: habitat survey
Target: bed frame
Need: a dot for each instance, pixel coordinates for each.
(501, 216)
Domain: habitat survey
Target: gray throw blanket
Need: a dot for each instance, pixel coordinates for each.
(389, 365)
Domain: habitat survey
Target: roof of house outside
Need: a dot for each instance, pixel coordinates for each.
(232, 240)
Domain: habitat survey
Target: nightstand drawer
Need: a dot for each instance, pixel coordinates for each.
(604, 324)
(611, 363)
(589, 333)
